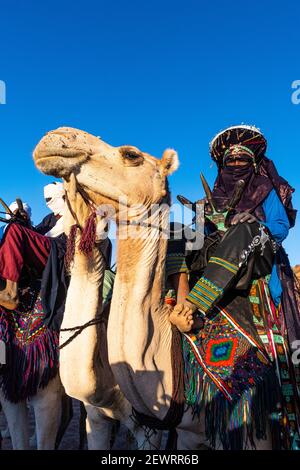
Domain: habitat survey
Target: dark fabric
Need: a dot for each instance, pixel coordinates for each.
(197, 260)
(55, 281)
(106, 250)
(177, 241)
(230, 246)
(258, 262)
(258, 186)
(55, 284)
(243, 254)
(46, 224)
(290, 297)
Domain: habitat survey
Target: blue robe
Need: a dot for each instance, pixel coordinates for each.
(278, 224)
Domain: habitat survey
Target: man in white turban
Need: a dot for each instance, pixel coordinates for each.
(24, 246)
(14, 208)
(52, 224)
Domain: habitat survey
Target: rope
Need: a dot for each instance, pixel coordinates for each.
(79, 329)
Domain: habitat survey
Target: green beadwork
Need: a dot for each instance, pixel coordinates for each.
(218, 218)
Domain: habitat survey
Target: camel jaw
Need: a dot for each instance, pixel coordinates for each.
(59, 166)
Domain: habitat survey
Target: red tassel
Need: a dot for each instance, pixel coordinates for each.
(88, 237)
(70, 251)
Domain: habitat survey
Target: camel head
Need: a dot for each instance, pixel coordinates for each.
(105, 172)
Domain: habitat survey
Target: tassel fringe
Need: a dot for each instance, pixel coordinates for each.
(29, 367)
(232, 425)
(88, 237)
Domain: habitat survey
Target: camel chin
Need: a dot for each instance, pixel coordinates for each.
(60, 166)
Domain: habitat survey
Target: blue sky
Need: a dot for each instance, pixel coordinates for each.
(153, 74)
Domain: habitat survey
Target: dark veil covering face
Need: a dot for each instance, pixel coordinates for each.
(261, 177)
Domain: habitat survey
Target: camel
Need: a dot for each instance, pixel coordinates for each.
(139, 331)
(84, 368)
(47, 411)
(92, 379)
(296, 270)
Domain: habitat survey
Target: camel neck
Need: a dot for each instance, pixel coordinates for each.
(139, 333)
(84, 373)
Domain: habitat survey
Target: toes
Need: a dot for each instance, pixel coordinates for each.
(178, 309)
(178, 313)
(187, 312)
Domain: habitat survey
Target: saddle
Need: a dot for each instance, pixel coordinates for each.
(19, 217)
(217, 222)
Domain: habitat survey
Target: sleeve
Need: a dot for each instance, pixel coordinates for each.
(46, 224)
(276, 217)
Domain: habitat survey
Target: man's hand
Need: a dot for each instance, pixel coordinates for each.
(243, 217)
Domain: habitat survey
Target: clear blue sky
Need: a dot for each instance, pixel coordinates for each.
(154, 74)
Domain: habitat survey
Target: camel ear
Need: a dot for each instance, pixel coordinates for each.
(170, 161)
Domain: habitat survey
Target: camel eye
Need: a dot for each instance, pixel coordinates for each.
(132, 157)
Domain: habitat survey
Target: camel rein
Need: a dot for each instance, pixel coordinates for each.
(78, 329)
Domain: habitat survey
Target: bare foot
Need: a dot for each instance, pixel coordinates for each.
(9, 295)
(182, 317)
(6, 302)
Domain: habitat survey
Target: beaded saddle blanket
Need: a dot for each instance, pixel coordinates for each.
(31, 348)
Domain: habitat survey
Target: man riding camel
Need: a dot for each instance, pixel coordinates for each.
(255, 227)
(241, 316)
(26, 248)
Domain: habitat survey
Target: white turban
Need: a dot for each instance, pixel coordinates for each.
(55, 189)
(14, 206)
(55, 193)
